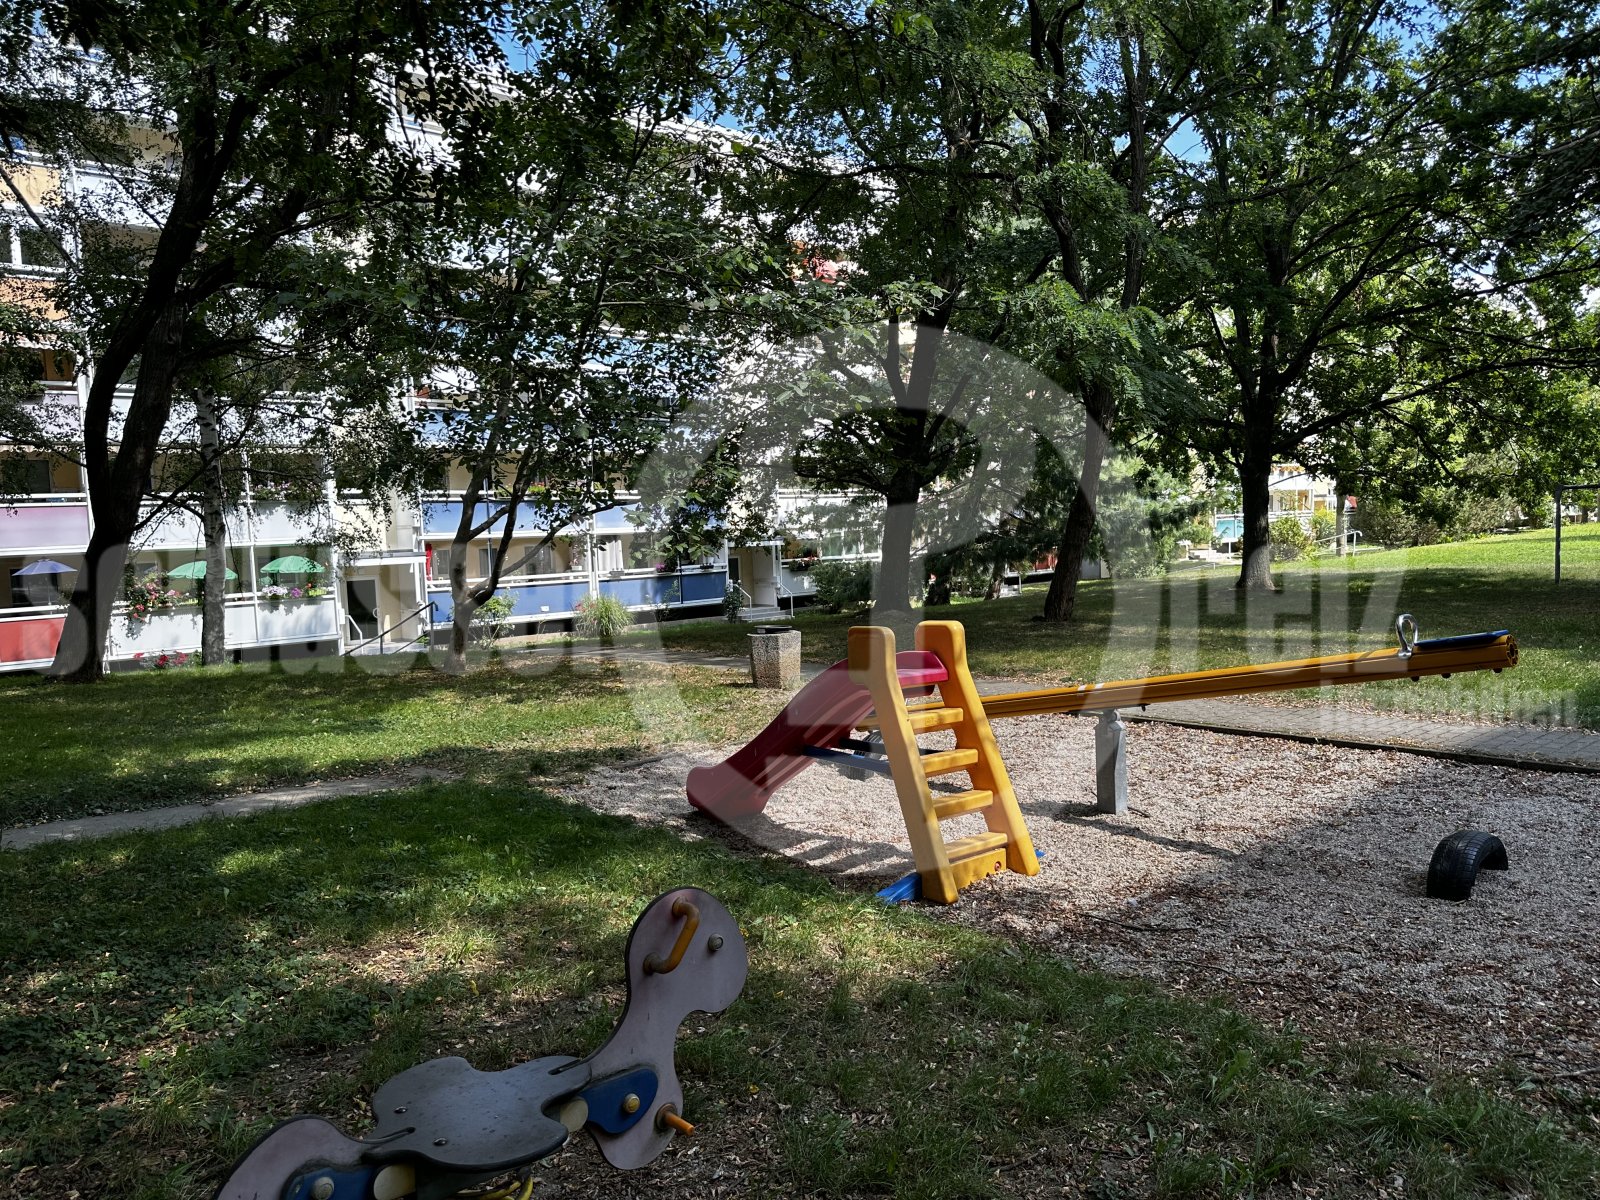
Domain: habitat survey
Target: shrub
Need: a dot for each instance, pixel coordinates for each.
(732, 602)
(1324, 525)
(843, 586)
(1199, 532)
(1387, 524)
(601, 616)
(1290, 539)
(493, 618)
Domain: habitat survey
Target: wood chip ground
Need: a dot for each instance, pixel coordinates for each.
(1286, 877)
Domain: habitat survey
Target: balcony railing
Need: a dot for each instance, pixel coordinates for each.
(54, 521)
(28, 636)
(441, 517)
(553, 597)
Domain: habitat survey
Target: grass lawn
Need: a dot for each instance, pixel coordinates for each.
(1194, 619)
(165, 997)
(156, 738)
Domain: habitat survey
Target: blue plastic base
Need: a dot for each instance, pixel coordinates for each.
(909, 889)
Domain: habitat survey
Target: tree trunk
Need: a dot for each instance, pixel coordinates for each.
(117, 485)
(1255, 491)
(81, 653)
(462, 609)
(214, 527)
(895, 571)
(997, 579)
(1062, 597)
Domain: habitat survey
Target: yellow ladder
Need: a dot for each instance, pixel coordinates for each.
(945, 867)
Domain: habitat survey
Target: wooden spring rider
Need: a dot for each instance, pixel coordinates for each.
(943, 867)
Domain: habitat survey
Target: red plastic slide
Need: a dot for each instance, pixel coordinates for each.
(824, 711)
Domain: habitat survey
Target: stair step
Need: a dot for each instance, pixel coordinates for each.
(942, 762)
(923, 719)
(962, 802)
(977, 844)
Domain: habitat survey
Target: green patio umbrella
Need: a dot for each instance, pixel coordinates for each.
(197, 570)
(292, 564)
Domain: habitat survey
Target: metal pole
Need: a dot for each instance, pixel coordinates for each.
(1559, 490)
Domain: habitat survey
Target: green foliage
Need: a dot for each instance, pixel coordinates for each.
(1139, 518)
(843, 586)
(493, 618)
(602, 617)
(972, 570)
(732, 602)
(1290, 540)
(1431, 515)
(1391, 312)
(1324, 524)
(1385, 523)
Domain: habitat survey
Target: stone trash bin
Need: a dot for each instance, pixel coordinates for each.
(775, 657)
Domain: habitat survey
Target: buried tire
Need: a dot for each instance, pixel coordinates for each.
(1457, 861)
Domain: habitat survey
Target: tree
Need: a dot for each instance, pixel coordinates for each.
(878, 140)
(996, 172)
(1117, 86)
(578, 307)
(1352, 249)
(283, 145)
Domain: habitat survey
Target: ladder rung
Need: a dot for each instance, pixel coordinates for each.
(942, 762)
(970, 847)
(923, 719)
(962, 802)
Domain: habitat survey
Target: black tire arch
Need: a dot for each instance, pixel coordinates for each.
(1458, 859)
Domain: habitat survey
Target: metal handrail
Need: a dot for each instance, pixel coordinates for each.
(778, 586)
(383, 632)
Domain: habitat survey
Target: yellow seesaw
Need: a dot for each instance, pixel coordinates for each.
(869, 689)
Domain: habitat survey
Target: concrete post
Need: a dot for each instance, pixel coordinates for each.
(1111, 764)
(775, 657)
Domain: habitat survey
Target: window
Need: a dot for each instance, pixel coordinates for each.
(36, 477)
(25, 246)
(38, 249)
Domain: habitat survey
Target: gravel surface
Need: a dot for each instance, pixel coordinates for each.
(1286, 877)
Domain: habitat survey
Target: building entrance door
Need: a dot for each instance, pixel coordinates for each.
(361, 601)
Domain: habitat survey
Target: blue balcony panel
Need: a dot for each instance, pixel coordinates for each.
(441, 518)
(559, 598)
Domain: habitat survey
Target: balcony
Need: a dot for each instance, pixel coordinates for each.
(28, 636)
(267, 524)
(48, 522)
(441, 516)
(553, 597)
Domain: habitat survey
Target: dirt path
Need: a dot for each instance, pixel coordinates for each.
(231, 806)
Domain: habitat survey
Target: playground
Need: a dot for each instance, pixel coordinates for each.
(1232, 986)
(1285, 878)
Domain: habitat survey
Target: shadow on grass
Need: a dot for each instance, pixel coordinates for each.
(167, 995)
(142, 741)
